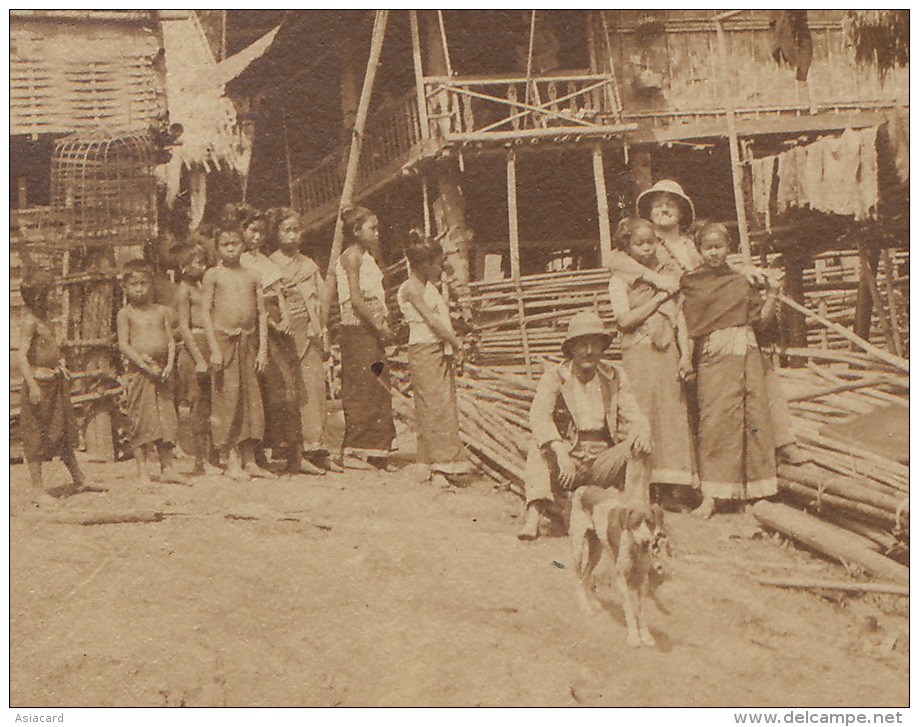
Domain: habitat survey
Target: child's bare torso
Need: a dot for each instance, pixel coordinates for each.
(235, 302)
(195, 296)
(147, 330)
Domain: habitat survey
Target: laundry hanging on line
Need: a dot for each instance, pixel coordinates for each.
(836, 174)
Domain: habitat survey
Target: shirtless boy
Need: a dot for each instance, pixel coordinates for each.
(193, 361)
(145, 340)
(236, 325)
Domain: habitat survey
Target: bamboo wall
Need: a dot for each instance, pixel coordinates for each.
(75, 75)
(686, 56)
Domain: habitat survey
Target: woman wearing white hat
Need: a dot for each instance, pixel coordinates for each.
(671, 212)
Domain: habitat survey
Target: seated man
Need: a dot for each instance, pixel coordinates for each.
(575, 420)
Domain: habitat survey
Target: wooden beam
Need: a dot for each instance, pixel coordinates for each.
(357, 138)
(606, 235)
(512, 230)
(550, 132)
(891, 300)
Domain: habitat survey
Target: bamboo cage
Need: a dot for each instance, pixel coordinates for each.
(103, 192)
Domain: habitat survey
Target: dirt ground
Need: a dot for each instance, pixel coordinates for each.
(374, 589)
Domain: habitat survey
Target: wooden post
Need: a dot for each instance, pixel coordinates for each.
(357, 138)
(864, 304)
(736, 170)
(891, 300)
(606, 236)
(426, 201)
(512, 231)
(870, 276)
(796, 325)
(419, 81)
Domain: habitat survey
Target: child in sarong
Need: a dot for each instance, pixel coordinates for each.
(656, 356)
(47, 426)
(146, 342)
(282, 388)
(364, 333)
(300, 294)
(432, 348)
(736, 448)
(194, 379)
(237, 333)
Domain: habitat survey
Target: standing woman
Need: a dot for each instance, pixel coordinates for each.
(281, 385)
(301, 294)
(369, 427)
(432, 345)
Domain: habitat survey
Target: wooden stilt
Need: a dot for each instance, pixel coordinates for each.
(357, 138)
(869, 274)
(736, 169)
(426, 201)
(514, 237)
(512, 231)
(864, 302)
(891, 300)
(606, 235)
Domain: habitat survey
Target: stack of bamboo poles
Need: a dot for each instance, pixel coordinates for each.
(846, 487)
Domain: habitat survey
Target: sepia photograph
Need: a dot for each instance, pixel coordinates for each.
(460, 358)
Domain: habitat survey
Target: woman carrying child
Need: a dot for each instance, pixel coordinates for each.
(737, 459)
(47, 426)
(432, 347)
(655, 354)
(671, 212)
(301, 296)
(364, 333)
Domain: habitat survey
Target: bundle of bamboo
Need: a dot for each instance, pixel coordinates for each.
(849, 487)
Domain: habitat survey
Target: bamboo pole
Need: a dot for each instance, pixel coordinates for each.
(893, 588)
(606, 236)
(896, 361)
(828, 539)
(736, 170)
(419, 89)
(357, 140)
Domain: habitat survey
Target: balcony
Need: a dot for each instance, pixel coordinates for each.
(481, 109)
(462, 110)
(392, 138)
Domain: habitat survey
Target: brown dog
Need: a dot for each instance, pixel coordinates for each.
(604, 520)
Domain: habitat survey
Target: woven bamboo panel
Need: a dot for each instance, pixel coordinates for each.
(68, 77)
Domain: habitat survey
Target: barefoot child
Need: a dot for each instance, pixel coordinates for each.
(301, 297)
(194, 357)
(237, 331)
(432, 347)
(655, 355)
(47, 426)
(145, 340)
(736, 449)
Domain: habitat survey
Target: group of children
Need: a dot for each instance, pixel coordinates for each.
(685, 317)
(244, 347)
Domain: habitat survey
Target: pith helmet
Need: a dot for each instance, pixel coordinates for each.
(642, 204)
(585, 323)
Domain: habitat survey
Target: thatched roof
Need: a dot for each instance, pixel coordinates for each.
(212, 137)
(880, 37)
